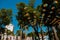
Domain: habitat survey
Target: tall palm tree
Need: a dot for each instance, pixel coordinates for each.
(5, 16)
(50, 13)
(40, 18)
(22, 17)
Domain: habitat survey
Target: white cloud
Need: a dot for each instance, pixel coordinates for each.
(10, 27)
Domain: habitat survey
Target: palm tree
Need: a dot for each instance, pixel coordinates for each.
(22, 17)
(50, 15)
(5, 16)
(40, 18)
(30, 16)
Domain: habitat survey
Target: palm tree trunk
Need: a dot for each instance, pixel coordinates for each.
(3, 36)
(6, 31)
(32, 36)
(25, 36)
(49, 33)
(7, 34)
(36, 32)
(42, 33)
(21, 34)
(54, 30)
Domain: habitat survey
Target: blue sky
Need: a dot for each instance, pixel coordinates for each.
(11, 4)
